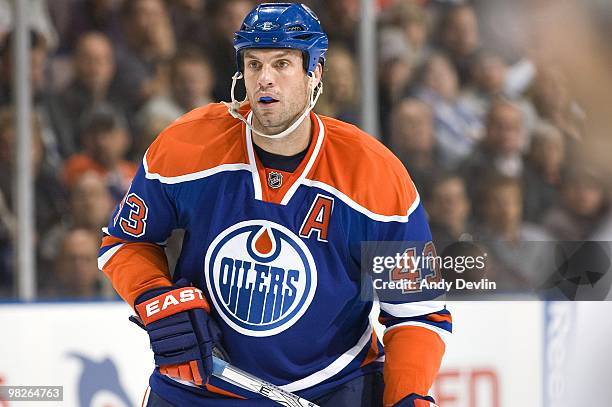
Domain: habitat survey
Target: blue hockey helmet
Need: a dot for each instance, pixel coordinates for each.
(282, 25)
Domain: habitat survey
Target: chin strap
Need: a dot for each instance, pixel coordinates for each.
(315, 92)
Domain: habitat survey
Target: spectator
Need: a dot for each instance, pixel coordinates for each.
(90, 203)
(94, 70)
(412, 22)
(147, 47)
(76, 273)
(49, 200)
(552, 100)
(225, 18)
(90, 207)
(501, 150)
(74, 19)
(187, 17)
(584, 211)
(448, 208)
(148, 31)
(43, 103)
(460, 38)
(340, 98)
(488, 76)
(543, 168)
(457, 126)
(38, 60)
(191, 86)
(395, 71)
(508, 238)
(341, 21)
(38, 19)
(413, 140)
(106, 143)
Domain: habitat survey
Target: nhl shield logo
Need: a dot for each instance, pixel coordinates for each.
(275, 179)
(260, 276)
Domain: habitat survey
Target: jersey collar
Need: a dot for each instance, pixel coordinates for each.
(293, 180)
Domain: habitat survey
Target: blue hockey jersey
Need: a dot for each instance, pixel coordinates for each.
(278, 255)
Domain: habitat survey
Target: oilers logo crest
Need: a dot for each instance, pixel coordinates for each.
(260, 276)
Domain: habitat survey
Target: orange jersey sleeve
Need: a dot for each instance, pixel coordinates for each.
(132, 254)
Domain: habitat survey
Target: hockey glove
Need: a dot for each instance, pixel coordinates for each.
(181, 332)
(414, 400)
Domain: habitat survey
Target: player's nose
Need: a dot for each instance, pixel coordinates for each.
(266, 77)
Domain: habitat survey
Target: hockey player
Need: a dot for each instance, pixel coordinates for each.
(275, 202)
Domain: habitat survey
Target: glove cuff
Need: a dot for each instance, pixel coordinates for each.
(415, 400)
(170, 303)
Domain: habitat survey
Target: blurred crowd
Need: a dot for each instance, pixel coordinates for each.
(491, 136)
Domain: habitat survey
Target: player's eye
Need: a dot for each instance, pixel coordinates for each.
(253, 64)
(283, 63)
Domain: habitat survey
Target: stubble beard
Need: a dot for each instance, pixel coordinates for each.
(282, 118)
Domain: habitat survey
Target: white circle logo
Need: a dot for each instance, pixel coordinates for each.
(260, 276)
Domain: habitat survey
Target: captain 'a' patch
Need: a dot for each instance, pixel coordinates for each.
(317, 219)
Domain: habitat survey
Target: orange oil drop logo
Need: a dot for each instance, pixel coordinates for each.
(263, 242)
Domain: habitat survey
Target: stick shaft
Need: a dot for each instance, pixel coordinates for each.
(249, 382)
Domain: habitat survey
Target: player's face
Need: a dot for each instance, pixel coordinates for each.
(277, 87)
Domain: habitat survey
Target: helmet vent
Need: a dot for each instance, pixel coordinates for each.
(295, 28)
(303, 37)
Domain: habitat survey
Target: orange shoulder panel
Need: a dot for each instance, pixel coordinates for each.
(362, 168)
(199, 140)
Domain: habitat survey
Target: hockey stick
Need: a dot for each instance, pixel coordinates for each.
(244, 380)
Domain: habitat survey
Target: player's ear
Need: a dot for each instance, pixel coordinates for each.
(318, 73)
